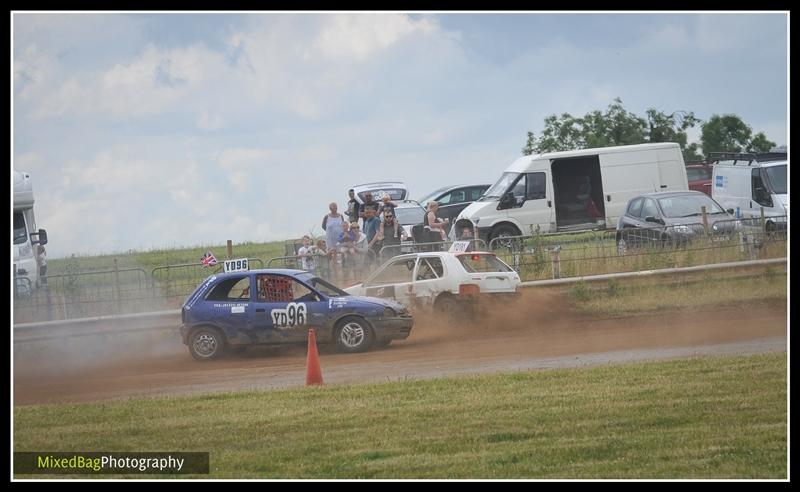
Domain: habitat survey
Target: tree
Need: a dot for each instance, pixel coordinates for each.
(759, 143)
(615, 126)
(728, 133)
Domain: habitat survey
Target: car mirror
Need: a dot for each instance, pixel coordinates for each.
(654, 220)
(730, 211)
(41, 237)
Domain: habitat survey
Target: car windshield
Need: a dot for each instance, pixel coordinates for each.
(777, 179)
(411, 215)
(327, 289)
(501, 186)
(482, 263)
(688, 205)
(20, 234)
(432, 195)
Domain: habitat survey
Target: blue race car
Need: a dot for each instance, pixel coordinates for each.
(261, 307)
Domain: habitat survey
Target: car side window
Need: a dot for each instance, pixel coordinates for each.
(635, 208)
(301, 293)
(757, 182)
(430, 268)
(476, 193)
(649, 209)
(396, 272)
(445, 199)
(537, 186)
(232, 289)
(274, 288)
(458, 196)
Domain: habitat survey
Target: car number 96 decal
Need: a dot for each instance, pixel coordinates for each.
(295, 314)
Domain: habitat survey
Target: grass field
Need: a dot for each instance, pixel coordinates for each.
(723, 417)
(689, 291)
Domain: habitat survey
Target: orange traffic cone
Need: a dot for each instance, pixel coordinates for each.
(313, 371)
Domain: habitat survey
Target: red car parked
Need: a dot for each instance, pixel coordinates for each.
(699, 176)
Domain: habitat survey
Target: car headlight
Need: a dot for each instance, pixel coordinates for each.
(715, 227)
(389, 313)
(681, 229)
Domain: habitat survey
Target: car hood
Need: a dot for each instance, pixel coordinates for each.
(712, 219)
(477, 210)
(376, 300)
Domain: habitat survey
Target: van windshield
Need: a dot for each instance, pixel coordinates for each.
(497, 189)
(20, 234)
(776, 176)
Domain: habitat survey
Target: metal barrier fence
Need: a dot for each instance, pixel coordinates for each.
(75, 294)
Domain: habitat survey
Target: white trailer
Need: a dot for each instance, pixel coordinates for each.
(573, 190)
(30, 263)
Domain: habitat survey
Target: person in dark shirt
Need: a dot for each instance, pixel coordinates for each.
(353, 207)
(369, 203)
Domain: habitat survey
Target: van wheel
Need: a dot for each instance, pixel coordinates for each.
(503, 231)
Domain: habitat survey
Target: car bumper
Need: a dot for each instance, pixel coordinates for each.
(392, 328)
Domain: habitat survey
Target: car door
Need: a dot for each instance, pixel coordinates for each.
(284, 309)
(650, 230)
(429, 279)
(393, 280)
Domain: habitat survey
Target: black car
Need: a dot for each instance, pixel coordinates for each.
(673, 217)
(453, 199)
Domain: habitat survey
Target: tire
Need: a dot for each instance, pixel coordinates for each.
(504, 230)
(354, 334)
(207, 344)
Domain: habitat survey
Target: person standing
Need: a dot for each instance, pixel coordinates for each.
(390, 234)
(371, 225)
(332, 225)
(369, 203)
(435, 224)
(308, 260)
(353, 207)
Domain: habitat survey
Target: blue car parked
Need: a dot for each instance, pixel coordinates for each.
(261, 307)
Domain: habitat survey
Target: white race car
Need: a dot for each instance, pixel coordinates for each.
(446, 282)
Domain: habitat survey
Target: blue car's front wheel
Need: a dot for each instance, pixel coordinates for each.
(353, 334)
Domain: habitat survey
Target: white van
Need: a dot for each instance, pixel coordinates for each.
(29, 256)
(751, 181)
(573, 190)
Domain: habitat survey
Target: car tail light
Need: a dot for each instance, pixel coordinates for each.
(468, 289)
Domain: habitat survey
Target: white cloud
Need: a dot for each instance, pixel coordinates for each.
(207, 121)
(347, 37)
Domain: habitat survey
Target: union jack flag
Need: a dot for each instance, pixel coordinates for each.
(208, 259)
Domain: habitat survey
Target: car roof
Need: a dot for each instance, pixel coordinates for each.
(440, 253)
(667, 194)
(278, 271)
(445, 189)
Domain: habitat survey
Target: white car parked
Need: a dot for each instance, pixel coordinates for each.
(443, 281)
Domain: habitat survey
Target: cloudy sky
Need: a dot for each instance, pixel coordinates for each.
(144, 131)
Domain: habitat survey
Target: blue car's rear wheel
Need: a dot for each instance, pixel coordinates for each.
(354, 334)
(206, 344)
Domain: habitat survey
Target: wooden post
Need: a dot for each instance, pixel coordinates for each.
(705, 219)
(116, 286)
(556, 261)
(230, 249)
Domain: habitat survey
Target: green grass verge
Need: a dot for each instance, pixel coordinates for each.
(717, 417)
(714, 288)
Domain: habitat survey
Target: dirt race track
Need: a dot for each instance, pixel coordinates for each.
(537, 333)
